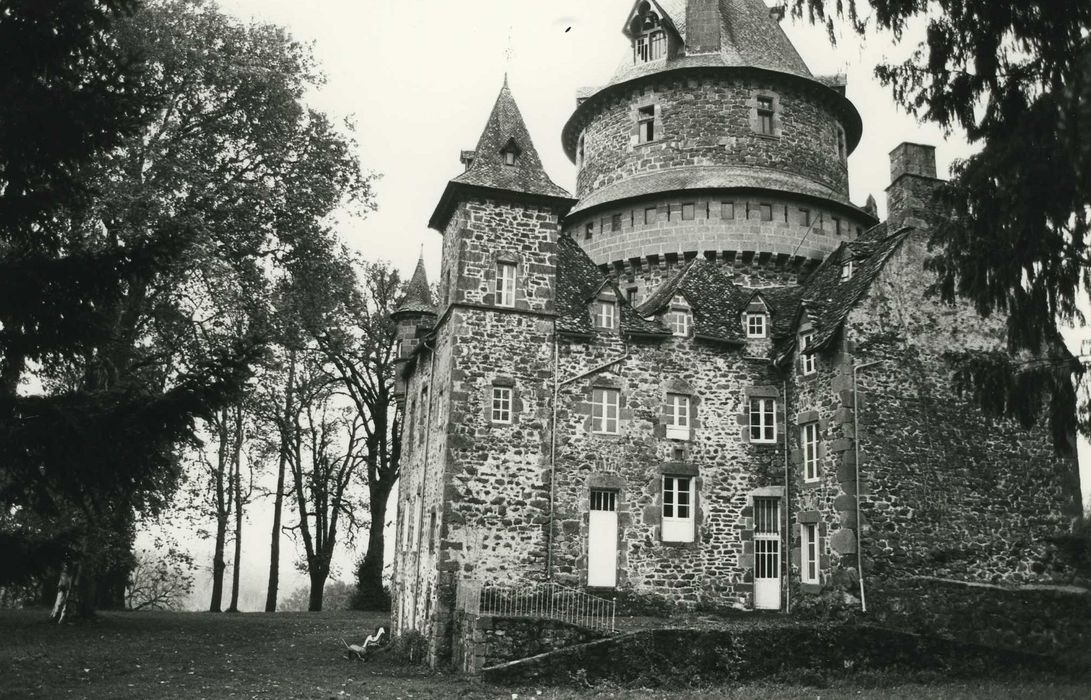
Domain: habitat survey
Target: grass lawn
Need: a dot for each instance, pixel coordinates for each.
(299, 655)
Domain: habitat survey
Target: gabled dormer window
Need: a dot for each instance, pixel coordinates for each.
(604, 314)
(679, 318)
(649, 39)
(757, 325)
(510, 152)
(846, 270)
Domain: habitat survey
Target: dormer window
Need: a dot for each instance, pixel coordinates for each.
(846, 271)
(649, 39)
(510, 152)
(757, 325)
(604, 313)
(679, 319)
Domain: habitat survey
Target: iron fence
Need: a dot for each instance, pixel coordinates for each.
(546, 600)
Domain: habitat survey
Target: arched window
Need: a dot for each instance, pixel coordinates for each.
(649, 39)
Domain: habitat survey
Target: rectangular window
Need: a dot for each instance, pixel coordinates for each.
(603, 500)
(505, 284)
(678, 406)
(501, 404)
(605, 315)
(589, 230)
(809, 547)
(804, 217)
(766, 212)
(615, 222)
(645, 124)
(809, 438)
(765, 116)
(650, 47)
(650, 215)
(605, 404)
(756, 326)
(678, 320)
(846, 271)
(678, 505)
(807, 361)
(727, 210)
(689, 211)
(837, 226)
(763, 420)
(432, 533)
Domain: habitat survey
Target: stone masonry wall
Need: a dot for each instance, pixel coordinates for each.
(708, 121)
(949, 491)
(485, 641)
(704, 224)
(717, 567)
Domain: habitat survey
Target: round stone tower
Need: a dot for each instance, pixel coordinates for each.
(714, 139)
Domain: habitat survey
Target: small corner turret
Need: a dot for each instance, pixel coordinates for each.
(415, 316)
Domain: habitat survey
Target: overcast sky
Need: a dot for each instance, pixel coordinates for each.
(418, 78)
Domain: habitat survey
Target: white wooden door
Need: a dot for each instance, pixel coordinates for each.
(767, 555)
(602, 540)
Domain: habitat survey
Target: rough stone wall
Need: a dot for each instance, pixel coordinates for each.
(949, 491)
(719, 223)
(488, 640)
(707, 121)
(717, 567)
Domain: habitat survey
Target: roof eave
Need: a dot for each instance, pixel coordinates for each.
(456, 191)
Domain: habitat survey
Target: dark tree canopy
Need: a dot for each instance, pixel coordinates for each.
(1012, 224)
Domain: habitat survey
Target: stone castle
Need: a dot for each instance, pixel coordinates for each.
(709, 377)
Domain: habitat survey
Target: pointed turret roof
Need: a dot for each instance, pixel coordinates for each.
(418, 295)
(504, 132)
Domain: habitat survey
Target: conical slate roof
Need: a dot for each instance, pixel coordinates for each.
(748, 36)
(418, 295)
(504, 131)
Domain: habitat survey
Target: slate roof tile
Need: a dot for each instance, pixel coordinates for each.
(418, 295)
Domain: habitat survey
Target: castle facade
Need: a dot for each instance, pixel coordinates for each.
(708, 377)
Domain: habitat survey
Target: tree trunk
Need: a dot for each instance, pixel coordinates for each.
(237, 495)
(278, 502)
(318, 576)
(370, 594)
(218, 565)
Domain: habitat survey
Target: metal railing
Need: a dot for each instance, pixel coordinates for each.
(545, 600)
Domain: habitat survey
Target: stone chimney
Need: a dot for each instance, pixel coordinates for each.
(913, 181)
(702, 26)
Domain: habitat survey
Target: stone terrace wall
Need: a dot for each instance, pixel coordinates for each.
(486, 640)
(1041, 621)
(707, 121)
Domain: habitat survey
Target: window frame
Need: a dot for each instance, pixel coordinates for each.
(808, 363)
(847, 270)
(599, 315)
(673, 527)
(645, 124)
(686, 322)
(615, 222)
(689, 211)
(765, 211)
(808, 440)
(505, 284)
(766, 109)
(764, 332)
(502, 394)
(679, 416)
(604, 401)
(764, 431)
(809, 563)
(727, 211)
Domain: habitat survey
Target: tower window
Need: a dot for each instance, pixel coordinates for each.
(837, 226)
(727, 210)
(804, 217)
(589, 230)
(689, 211)
(650, 215)
(841, 149)
(765, 116)
(645, 121)
(505, 284)
(509, 157)
(615, 222)
(649, 39)
(766, 212)
(580, 153)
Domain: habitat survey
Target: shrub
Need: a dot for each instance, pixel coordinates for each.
(409, 647)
